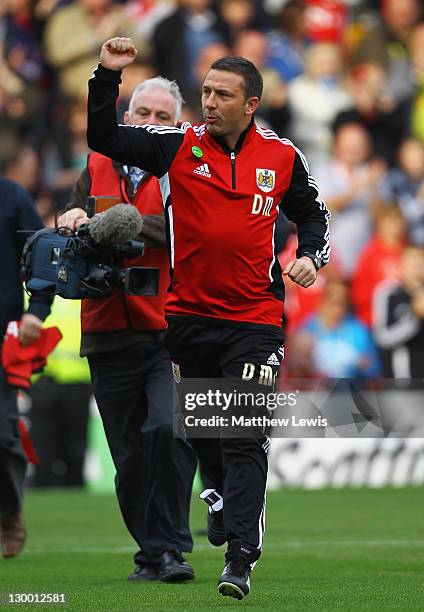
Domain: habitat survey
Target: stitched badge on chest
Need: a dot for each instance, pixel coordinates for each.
(265, 179)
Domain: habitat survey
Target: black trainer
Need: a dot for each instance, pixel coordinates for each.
(174, 568)
(235, 579)
(216, 529)
(144, 573)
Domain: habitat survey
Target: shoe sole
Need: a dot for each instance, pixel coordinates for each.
(177, 577)
(228, 589)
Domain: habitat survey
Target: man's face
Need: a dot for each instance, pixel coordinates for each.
(412, 265)
(352, 145)
(153, 106)
(334, 303)
(226, 110)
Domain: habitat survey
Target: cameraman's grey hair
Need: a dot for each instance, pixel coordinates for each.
(159, 82)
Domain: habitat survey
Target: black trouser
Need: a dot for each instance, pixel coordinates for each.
(235, 466)
(135, 393)
(13, 461)
(59, 416)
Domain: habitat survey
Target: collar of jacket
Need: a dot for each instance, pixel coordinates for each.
(129, 188)
(245, 136)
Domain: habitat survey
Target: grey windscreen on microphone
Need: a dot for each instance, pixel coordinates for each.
(118, 224)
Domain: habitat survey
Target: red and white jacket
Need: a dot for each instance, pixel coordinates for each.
(221, 206)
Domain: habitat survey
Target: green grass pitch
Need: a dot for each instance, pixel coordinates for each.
(324, 550)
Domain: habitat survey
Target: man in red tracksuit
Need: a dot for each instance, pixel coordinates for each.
(123, 338)
(222, 184)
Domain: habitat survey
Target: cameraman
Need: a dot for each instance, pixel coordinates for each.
(17, 212)
(123, 338)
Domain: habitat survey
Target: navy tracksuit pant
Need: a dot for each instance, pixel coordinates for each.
(135, 394)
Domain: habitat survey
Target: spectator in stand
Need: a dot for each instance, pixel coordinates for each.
(252, 45)
(384, 119)
(325, 20)
(22, 45)
(75, 56)
(20, 107)
(379, 260)
(288, 43)
(179, 39)
(387, 44)
(44, 8)
(237, 16)
(23, 167)
(398, 311)
(61, 177)
(404, 186)
(315, 99)
(416, 114)
(349, 187)
(148, 14)
(335, 342)
(24, 57)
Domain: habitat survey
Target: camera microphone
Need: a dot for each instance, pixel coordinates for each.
(120, 223)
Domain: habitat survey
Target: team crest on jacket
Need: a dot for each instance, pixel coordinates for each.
(265, 179)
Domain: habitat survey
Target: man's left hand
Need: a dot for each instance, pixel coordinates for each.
(301, 271)
(30, 329)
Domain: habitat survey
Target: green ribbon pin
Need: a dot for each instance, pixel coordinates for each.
(197, 151)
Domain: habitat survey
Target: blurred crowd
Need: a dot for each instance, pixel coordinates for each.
(344, 79)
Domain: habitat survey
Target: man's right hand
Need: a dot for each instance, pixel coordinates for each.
(73, 218)
(117, 53)
(30, 329)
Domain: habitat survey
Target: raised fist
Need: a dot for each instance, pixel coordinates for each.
(117, 53)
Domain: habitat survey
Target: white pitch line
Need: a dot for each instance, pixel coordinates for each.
(270, 545)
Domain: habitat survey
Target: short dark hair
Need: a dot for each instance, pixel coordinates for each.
(253, 82)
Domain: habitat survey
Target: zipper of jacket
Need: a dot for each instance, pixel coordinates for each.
(233, 169)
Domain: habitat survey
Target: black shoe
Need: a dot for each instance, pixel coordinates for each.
(216, 529)
(144, 573)
(174, 568)
(235, 579)
(12, 535)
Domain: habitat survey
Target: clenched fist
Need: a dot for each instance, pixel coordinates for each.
(301, 271)
(117, 53)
